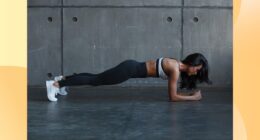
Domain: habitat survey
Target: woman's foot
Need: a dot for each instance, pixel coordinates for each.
(62, 90)
(56, 84)
(51, 90)
(58, 78)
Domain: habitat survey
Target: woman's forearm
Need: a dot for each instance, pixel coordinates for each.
(180, 97)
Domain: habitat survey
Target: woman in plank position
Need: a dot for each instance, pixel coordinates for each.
(192, 70)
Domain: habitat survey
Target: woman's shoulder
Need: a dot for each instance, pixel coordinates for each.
(171, 64)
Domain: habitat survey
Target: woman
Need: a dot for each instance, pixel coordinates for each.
(193, 69)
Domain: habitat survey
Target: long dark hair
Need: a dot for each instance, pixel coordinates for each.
(190, 82)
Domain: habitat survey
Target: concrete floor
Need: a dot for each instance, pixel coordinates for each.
(132, 113)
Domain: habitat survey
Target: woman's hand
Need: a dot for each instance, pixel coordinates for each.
(197, 95)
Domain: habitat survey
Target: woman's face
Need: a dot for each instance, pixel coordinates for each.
(192, 70)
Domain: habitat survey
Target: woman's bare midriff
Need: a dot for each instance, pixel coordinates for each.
(151, 68)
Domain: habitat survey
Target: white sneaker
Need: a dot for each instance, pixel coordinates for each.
(62, 90)
(51, 90)
(58, 78)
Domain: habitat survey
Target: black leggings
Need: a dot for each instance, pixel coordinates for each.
(118, 74)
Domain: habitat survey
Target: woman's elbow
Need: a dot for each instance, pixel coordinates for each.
(175, 99)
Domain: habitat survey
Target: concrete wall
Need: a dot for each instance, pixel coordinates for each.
(44, 44)
(67, 36)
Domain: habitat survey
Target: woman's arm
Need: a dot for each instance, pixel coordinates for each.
(188, 93)
(172, 90)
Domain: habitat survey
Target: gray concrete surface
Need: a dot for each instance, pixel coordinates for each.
(108, 32)
(44, 44)
(44, 2)
(123, 2)
(226, 3)
(103, 113)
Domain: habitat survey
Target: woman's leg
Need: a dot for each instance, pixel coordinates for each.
(80, 74)
(118, 74)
